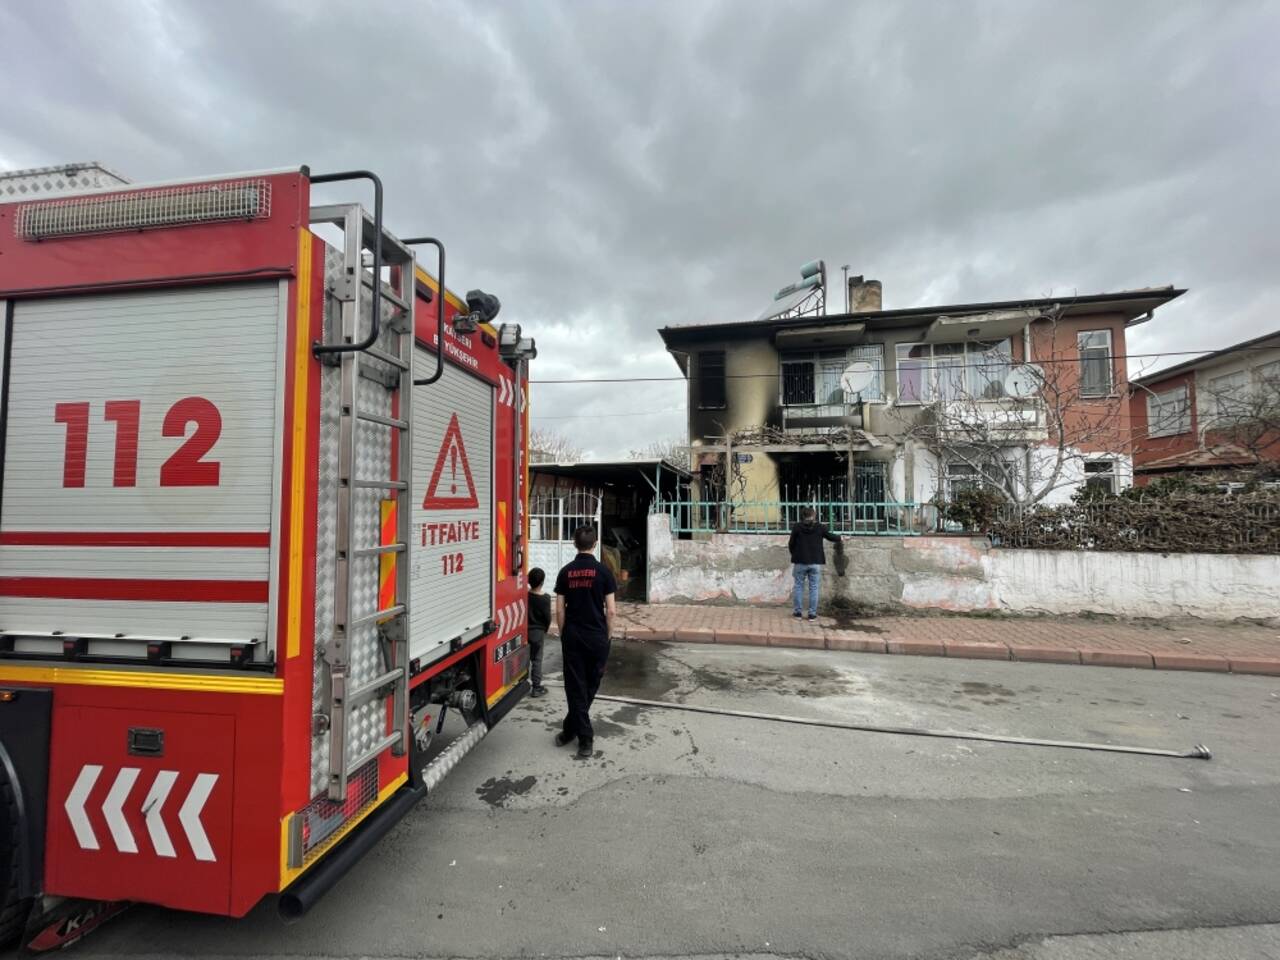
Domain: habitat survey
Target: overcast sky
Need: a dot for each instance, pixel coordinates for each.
(610, 168)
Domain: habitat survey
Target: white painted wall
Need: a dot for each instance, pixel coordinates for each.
(1212, 586)
(963, 574)
(1072, 477)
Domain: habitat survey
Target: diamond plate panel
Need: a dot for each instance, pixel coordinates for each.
(51, 181)
(366, 724)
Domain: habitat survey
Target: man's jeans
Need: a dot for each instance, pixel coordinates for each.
(812, 572)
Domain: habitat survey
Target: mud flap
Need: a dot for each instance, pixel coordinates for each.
(66, 921)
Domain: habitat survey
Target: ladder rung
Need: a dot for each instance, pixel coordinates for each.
(390, 740)
(378, 551)
(385, 421)
(379, 485)
(387, 295)
(387, 358)
(362, 693)
(374, 617)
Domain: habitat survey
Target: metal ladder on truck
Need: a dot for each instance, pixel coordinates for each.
(372, 341)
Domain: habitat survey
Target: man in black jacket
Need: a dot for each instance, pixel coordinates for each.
(808, 559)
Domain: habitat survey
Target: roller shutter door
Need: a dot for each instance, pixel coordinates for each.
(451, 572)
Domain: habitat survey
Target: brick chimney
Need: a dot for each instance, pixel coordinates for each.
(864, 295)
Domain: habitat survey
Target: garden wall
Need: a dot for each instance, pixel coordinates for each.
(967, 575)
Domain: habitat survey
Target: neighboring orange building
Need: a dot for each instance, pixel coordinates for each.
(1216, 412)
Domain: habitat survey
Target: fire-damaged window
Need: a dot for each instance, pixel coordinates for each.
(711, 380)
(814, 378)
(798, 382)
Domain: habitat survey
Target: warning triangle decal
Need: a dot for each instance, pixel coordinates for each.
(451, 486)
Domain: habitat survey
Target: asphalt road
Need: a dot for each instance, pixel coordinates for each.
(693, 835)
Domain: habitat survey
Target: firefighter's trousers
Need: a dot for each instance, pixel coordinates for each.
(584, 662)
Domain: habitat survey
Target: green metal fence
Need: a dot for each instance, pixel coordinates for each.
(847, 518)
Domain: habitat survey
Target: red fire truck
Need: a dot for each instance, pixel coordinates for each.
(262, 524)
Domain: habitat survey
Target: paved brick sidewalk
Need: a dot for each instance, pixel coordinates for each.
(1182, 645)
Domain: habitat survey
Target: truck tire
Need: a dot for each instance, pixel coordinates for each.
(13, 909)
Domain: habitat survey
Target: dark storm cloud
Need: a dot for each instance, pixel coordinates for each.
(609, 168)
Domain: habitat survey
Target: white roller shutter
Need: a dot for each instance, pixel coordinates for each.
(451, 572)
(139, 465)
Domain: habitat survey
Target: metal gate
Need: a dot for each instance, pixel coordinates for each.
(552, 521)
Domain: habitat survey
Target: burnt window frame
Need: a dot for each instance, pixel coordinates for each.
(703, 380)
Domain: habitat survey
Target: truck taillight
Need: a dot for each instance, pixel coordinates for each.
(144, 209)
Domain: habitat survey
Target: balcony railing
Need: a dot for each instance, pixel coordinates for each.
(1006, 417)
(821, 417)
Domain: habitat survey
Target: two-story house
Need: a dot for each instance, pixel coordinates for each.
(770, 420)
(1215, 412)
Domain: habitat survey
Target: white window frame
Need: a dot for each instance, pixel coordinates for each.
(977, 477)
(1267, 375)
(875, 353)
(1110, 358)
(972, 353)
(1178, 423)
(1112, 473)
(1231, 400)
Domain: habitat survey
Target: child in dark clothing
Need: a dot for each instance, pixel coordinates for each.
(539, 622)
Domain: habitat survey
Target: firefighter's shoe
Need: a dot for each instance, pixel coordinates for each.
(563, 739)
(585, 749)
(538, 692)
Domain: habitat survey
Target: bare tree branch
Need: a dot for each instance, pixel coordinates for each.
(1023, 447)
(547, 446)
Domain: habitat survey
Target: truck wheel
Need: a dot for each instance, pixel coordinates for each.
(13, 910)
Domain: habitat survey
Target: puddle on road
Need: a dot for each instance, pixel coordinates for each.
(848, 619)
(988, 693)
(650, 671)
(634, 670)
(497, 790)
(799, 680)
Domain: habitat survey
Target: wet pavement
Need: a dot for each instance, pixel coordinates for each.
(699, 835)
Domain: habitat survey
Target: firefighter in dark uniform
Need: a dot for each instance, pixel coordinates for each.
(585, 610)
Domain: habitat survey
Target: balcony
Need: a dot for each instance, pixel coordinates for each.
(824, 418)
(1006, 418)
(812, 399)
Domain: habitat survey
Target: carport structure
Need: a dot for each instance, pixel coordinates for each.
(615, 496)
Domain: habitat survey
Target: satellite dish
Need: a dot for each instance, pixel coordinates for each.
(857, 376)
(1024, 381)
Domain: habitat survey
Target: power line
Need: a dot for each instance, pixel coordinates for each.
(947, 366)
(596, 416)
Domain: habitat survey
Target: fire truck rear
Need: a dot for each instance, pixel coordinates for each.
(262, 508)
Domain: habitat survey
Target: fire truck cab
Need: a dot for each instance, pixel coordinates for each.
(262, 524)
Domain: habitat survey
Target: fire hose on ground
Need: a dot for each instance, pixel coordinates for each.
(1198, 752)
